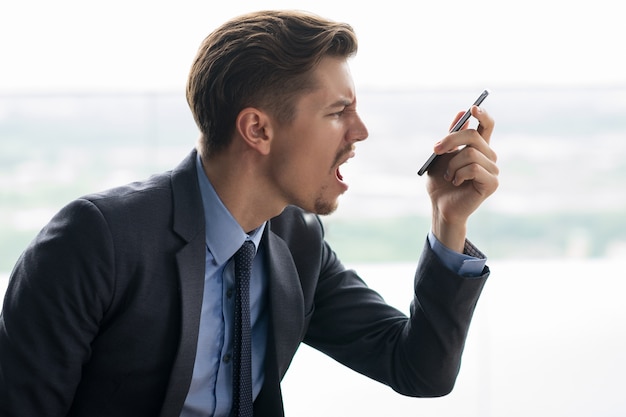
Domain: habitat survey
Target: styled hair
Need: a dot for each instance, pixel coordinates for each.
(264, 60)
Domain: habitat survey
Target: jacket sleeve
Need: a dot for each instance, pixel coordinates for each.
(418, 355)
(57, 294)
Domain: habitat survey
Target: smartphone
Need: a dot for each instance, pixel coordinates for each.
(455, 128)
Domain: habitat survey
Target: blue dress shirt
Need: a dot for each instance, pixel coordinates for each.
(468, 264)
(210, 393)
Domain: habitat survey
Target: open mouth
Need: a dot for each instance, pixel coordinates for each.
(349, 154)
(342, 159)
(338, 174)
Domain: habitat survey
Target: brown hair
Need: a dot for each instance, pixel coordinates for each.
(261, 59)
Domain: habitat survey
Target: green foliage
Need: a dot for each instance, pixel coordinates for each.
(546, 235)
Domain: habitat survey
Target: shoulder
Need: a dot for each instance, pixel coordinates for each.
(148, 189)
(153, 190)
(294, 224)
(152, 195)
(99, 218)
(137, 211)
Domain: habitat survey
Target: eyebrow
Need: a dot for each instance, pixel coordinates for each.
(344, 102)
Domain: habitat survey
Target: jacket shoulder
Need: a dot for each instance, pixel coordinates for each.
(295, 224)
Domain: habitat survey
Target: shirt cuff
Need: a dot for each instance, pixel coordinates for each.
(470, 263)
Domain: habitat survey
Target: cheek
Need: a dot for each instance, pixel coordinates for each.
(311, 155)
(309, 170)
(308, 157)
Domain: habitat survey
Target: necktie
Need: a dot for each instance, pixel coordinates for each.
(242, 346)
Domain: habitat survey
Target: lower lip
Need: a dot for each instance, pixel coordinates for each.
(340, 180)
(338, 175)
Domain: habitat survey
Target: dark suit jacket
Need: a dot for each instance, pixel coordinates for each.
(102, 310)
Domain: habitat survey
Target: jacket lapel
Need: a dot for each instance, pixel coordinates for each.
(188, 223)
(286, 301)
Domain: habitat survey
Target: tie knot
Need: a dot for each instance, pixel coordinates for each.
(244, 257)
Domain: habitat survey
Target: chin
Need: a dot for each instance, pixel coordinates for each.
(324, 207)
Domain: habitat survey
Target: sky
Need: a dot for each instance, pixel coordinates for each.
(147, 45)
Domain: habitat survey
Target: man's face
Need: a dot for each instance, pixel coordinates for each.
(306, 153)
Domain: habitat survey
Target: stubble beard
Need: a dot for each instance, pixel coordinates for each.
(324, 206)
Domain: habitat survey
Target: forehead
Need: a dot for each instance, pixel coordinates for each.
(332, 81)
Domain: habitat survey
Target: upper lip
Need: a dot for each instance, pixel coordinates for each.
(349, 153)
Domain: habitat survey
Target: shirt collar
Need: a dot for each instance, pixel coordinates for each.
(224, 236)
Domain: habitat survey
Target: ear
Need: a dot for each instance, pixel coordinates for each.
(254, 127)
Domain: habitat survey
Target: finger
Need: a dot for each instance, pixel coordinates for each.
(458, 140)
(480, 145)
(456, 119)
(472, 156)
(471, 165)
(440, 147)
(484, 182)
(485, 122)
(454, 141)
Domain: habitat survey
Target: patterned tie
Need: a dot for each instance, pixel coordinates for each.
(242, 350)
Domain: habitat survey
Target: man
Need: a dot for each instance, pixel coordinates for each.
(123, 305)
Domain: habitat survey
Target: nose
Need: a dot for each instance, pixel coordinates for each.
(359, 130)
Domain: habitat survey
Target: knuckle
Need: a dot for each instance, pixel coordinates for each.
(472, 153)
(475, 169)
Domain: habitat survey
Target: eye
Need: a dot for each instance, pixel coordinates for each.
(339, 113)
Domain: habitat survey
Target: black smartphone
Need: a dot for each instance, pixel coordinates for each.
(455, 128)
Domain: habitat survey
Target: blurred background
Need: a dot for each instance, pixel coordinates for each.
(92, 96)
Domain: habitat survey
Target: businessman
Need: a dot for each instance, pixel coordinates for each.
(130, 302)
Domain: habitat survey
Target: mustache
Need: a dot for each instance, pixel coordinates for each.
(342, 153)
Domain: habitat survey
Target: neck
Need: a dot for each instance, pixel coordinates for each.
(242, 189)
